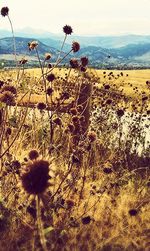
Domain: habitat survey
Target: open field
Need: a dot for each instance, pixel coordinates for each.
(99, 193)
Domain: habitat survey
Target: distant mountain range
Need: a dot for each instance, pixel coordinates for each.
(102, 51)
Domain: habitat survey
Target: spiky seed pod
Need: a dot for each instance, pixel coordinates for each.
(67, 29)
(33, 154)
(9, 88)
(4, 11)
(75, 119)
(1, 83)
(133, 212)
(8, 131)
(49, 91)
(84, 61)
(57, 121)
(83, 69)
(32, 45)
(35, 177)
(75, 47)
(107, 87)
(49, 66)
(120, 113)
(86, 220)
(73, 111)
(50, 77)
(92, 136)
(108, 101)
(41, 106)
(23, 61)
(48, 56)
(7, 98)
(74, 63)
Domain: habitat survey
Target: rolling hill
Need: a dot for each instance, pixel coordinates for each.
(136, 55)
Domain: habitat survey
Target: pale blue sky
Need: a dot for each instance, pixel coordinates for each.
(86, 17)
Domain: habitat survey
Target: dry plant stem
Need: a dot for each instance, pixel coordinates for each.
(14, 42)
(63, 180)
(59, 55)
(46, 99)
(39, 224)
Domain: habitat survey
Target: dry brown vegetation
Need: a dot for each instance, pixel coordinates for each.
(74, 157)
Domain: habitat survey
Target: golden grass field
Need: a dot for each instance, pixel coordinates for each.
(101, 202)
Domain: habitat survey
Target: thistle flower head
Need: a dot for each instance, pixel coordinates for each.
(92, 136)
(48, 56)
(84, 61)
(4, 11)
(50, 77)
(75, 47)
(41, 106)
(67, 29)
(35, 177)
(7, 97)
(74, 63)
(33, 154)
(23, 61)
(9, 88)
(32, 45)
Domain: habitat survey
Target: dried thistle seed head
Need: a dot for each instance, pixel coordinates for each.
(50, 77)
(107, 87)
(4, 11)
(84, 61)
(48, 56)
(67, 29)
(8, 131)
(86, 220)
(7, 98)
(9, 88)
(75, 47)
(49, 91)
(83, 69)
(33, 154)
(41, 106)
(109, 101)
(73, 111)
(57, 121)
(120, 113)
(23, 61)
(74, 63)
(92, 136)
(1, 83)
(32, 45)
(133, 212)
(35, 177)
(75, 119)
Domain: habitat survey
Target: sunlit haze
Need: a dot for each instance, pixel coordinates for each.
(96, 17)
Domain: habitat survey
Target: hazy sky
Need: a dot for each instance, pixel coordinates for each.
(85, 16)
